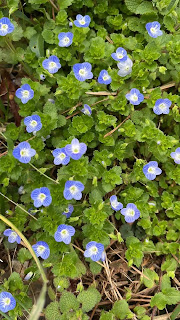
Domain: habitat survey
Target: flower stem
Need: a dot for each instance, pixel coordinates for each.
(43, 174)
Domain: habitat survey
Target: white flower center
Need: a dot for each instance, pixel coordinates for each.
(4, 27)
(66, 40)
(13, 234)
(25, 93)
(24, 153)
(41, 249)
(6, 301)
(61, 156)
(64, 233)
(177, 156)
(66, 210)
(151, 170)
(106, 77)
(130, 212)
(127, 68)
(86, 111)
(134, 97)
(120, 55)
(93, 250)
(114, 203)
(52, 65)
(33, 123)
(153, 29)
(82, 21)
(73, 189)
(162, 106)
(41, 197)
(82, 72)
(75, 149)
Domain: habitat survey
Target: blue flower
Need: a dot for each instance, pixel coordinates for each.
(104, 77)
(135, 97)
(12, 236)
(82, 71)
(94, 251)
(65, 39)
(52, 64)
(82, 22)
(60, 156)
(125, 67)
(162, 106)
(76, 149)
(120, 54)
(5, 26)
(103, 256)
(73, 190)
(41, 197)
(25, 93)
(131, 213)
(115, 205)
(176, 156)
(153, 29)
(7, 302)
(68, 211)
(21, 190)
(151, 170)
(41, 249)
(42, 77)
(87, 110)
(28, 276)
(33, 123)
(23, 152)
(64, 233)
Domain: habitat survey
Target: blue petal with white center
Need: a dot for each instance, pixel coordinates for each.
(25, 93)
(82, 21)
(120, 54)
(60, 156)
(94, 250)
(7, 302)
(65, 39)
(73, 190)
(151, 170)
(64, 233)
(104, 77)
(68, 211)
(42, 77)
(41, 249)
(115, 205)
(5, 26)
(52, 64)
(33, 123)
(131, 213)
(86, 110)
(176, 156)
(12, 236)
(23, 152)
(162, 106)
(82, 71)
(76, 149)
(41, 197)
(125, 67)
(153, 29)
(135, 97)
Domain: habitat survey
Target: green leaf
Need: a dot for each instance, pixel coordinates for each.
(36, 44)
(121, 310)
(68, 301)
(152, 277)
(89, 298)
(24, 255)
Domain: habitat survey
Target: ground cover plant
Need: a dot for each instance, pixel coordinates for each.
(89, 159)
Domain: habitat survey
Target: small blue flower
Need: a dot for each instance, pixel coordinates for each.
(76, 149)
(153, 29)
(52, 64)
(12, 236)
(60, 156)
(5, 26)
(42, 77)
(94, 251)
(176, 156)
(41, 249)
(151, 170)
(7, 302)
(103, 256)
(23, 152)
(65, 39)
(28, 276)
(25, 93)
(41, 197)
(115, 205)
(135, 97)
(68, 211)
(73, 190)
(162, 106)
(21, 190)
(82, 71)
(64, 233)
(120, 54)
(33, 123)
(82, 22)
(104, 77)
(125, 67)
(131, 213)
(86, 110)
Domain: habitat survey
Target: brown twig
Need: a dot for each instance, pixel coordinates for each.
(72, 115)
(102, 93)
(73, 108)
(52, 3)
(119, 125)
(109, 40)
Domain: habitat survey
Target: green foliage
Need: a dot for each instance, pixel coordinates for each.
(89, 298)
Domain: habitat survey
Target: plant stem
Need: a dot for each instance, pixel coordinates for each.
(43, 174)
